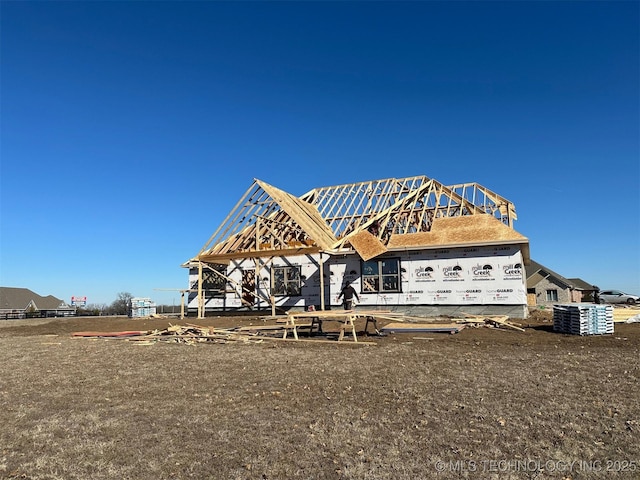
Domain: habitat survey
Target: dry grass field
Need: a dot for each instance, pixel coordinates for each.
(483, 403)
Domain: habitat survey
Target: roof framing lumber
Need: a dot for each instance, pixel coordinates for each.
(268, 221)
(489, 201)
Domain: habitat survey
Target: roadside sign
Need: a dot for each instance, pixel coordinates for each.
(79, 301)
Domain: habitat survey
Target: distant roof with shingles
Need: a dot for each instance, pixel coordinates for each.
(19, 298)
(534, 268)
(578, 282)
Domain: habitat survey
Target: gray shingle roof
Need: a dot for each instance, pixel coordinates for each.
(535, 271)
(19, 298)
(579, 283)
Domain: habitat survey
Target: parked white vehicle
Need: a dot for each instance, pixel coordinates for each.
(616, 296)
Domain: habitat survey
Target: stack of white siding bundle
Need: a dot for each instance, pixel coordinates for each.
(583, 319)
(142, 307)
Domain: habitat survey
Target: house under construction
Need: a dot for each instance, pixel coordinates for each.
(411, 244)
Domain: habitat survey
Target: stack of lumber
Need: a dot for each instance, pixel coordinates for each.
(626, 314)
(583, 319)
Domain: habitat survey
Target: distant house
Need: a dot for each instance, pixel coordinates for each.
(588, 290)
(546, 287)
(23, 303)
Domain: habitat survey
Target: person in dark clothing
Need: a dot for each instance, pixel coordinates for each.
(596, 294)
(347, 293)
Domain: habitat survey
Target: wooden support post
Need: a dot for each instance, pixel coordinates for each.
(321, 282)
(182, 304)
(200, 293)
(257, 235)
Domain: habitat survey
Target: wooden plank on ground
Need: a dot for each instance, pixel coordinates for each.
(131, 333)
(500, 320)
(256, 328)
(470, 320)
(504, 323)
(340, 313)
(311, 340)
(385, 317)
(422, 327)
(623, 314)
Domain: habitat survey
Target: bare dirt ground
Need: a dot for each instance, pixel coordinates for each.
(482, 403)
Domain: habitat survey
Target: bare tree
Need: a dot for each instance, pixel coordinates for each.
(122, 304)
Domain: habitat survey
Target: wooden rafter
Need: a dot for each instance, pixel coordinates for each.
(402, 206)
(270, 221)
(489, 201)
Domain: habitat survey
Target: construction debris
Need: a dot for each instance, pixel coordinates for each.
(454, 326)
(192, 334)
(311, 322)
(491, 321)
(176, 334)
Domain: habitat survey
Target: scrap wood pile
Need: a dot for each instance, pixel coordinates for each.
(493, 321)
(192, 334)
(497, 321)
(197, 334)
(189, 334)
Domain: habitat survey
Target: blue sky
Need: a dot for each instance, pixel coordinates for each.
(129, 130)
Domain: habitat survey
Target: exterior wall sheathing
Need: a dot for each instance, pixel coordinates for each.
(488, 280)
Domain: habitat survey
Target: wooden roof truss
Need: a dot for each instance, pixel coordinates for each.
(398, 206)
(268, 221)
(489, 201)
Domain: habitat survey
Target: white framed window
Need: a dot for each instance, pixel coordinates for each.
(552, 295)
